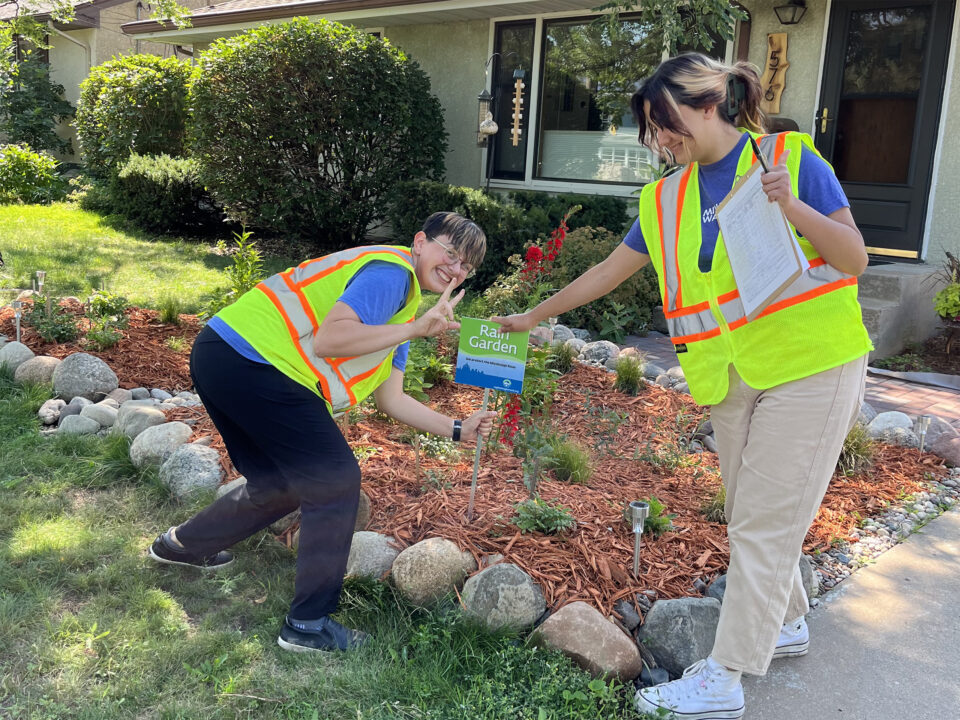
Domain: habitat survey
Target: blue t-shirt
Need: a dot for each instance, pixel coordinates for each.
(376, 293)
(818, 187)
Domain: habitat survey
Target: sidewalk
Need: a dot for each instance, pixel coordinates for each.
(885, 644)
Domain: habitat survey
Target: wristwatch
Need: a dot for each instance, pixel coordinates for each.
(457, 427)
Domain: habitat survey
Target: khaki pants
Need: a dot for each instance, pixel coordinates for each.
(778, 449)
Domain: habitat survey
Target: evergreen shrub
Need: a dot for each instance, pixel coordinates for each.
(132, 104)
(28, 177)
(304, 127)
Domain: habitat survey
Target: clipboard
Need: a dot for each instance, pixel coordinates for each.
(761, 248)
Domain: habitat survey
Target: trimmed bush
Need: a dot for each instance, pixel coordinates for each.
(629, 306)
(162, 194)
(28, 177)
(596, 210)
(132, 104)
(304, 127)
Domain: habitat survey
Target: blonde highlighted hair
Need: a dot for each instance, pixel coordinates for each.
(697, 81)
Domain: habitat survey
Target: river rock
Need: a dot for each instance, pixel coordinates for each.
(84, 375)
(66, 411)
(14, 354)
(77, 425)
(938, 426)
(49, 412)
(887, 421)
(155, 444)
(591, 641)
(134, 419)
(599, 352)
(37, 369)
(371, 555)
(561, 333)
(427, 571)
(679, 632)
(575, 344)
(947, 447)
(139, 393)
(810, 583)
(503, 596)
(363, 512)
(190, 469)
(867, 413)
(652, 371)
(121, 395)
(105, 415)
(676, 374)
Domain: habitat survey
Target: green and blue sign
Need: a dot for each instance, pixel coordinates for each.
(490, 359)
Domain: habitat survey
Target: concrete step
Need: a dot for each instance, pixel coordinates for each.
(897, 303)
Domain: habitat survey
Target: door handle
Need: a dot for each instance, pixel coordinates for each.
(824, 119)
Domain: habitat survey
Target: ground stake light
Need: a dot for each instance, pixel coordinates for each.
(923, 424)
(639, 511)
(41, 279)
(17, 312)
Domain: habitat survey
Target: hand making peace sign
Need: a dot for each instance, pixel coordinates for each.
(440, 317)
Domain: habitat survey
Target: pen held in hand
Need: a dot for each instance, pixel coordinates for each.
(759, 155)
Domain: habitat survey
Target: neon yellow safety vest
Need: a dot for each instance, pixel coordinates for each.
(280, 316)
(814, 325)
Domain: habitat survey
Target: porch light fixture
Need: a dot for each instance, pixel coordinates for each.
(791, 13)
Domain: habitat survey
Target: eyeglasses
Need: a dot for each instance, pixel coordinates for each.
(453, 257)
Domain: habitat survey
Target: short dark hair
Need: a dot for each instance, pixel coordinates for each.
(465, 235)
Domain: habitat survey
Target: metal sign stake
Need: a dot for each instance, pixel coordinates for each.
(476, 459)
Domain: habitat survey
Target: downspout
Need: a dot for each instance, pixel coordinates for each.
(139, 10)
(86, 48)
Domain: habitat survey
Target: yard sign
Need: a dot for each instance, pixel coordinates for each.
(490, 359)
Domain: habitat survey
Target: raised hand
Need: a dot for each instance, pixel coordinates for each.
(776, 183)
(439, 318)
(515, 323)
(480, 423)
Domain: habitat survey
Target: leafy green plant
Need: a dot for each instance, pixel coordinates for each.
(103, 334)
(31, 105)
(713, 509)
(243, 275)
(613, 322)
(604, 424)
(673, 450)
(534, 444)
(132, 104)
(537, 515)
(856, 455)
(170, 310)
(947, 301)
(434, 481)
(569, 461)
(436, 370)
(657, 522)
(561, 357)
(104, 304)
(28, 177)
(422, 354)
(51, 321)
(176, 343)
(629, 377)
(437, 446)
(909, 361)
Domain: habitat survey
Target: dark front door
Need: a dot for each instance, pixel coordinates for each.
(877, 123)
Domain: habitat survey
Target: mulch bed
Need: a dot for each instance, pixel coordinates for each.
(594, 561)
(932, 356)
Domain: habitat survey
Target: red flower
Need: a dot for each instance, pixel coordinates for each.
(534, 254)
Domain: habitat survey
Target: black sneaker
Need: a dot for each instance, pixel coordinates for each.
(164, 551)
(327, 635)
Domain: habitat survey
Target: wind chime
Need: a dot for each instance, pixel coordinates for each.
(518, 87)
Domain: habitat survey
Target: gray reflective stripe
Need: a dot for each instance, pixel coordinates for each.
(314, 267)
(693, 324)
(768, 146)
(669, 201)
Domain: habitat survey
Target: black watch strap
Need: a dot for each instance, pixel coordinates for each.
(457, 427)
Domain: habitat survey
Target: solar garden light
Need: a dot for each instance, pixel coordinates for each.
(17, 312)
(41, 278)
(923, 424)
(639, 511)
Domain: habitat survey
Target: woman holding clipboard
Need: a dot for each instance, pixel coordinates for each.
(785, 387)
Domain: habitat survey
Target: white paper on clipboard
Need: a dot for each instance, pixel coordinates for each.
(764, 255)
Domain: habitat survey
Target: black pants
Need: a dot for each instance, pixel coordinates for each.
(281, 437)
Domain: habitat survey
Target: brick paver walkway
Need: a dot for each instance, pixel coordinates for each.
(882, 393)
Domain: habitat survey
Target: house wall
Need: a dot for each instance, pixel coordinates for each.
(69, 67)
(453, 55)
(946, 199)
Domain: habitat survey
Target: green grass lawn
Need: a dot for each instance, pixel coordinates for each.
(82, 252)
(90, 628)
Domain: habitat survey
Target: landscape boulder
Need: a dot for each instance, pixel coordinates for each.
(37, 369)
(363, 512)
(105, 415)
(84, 375)
(887, 421)
(371, 555)
(503, 596)
(14, 354)
(561, 333)
(599, 352)
(947, 447)
(938, 427)
(190, 469)
(157, 443)
(49, 412)
(430, 569)
(591, 641)
(134, 419)
(680, 632)
(77, 425)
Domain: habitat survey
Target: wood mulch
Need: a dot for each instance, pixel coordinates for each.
(594, 561)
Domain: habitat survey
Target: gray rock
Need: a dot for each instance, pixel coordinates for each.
(80, 401)
(561, 333)
(611, 364)
(810, 583)
(503, 596)
(591, 641)
(160, 394)
(664, 381)
(576, 344)
(427, 571)
(680, 632)
(659, 321)
(139, 393)
(191, 469)
(599, 352)
(371, 555)
(133, 420)
(14, 354)
(717, 588)
(363, 512)
(867, 413)
(37, 369)
(628, 613)
(49, 412)
(898, 436)
(676, 373)
(76, 425)
(227, 487)
(104, 415)
(710, 443)
(68, 411)
(541, 335)
(938, 426)
(652, 371)
(84, 375)
(581, 334)
(110, 402)
(682, 387)
(887, 421)
(121, 395)
(157, 443)
(948, 448)
(186, 395)
(285, 523)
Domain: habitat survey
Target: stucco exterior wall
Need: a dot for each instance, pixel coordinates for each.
(452, 54)
(946, 199)
(68, 67)
(804, 41)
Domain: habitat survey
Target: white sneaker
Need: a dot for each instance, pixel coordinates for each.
(794, 640)
(707, 691)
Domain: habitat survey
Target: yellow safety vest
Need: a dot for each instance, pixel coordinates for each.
(281, 315)
(814, 325)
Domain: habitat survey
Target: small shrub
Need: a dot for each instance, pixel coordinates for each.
(162, 194)
(947, 301)
(569, 461)
(52, 322)
(905, 362)
(243, 275)
(856, 456)
(106, 304)
(629, 372)
(170, 310)
(537, 515)
(713, 509)
(28, 177)
(103, 334)
(422, 352)
(607, 211)
(437, 446)
(90, 193)
(31, 105)
(176, 343)
(436, 370)
(132, 104)
(657, 522)
(562, 357)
